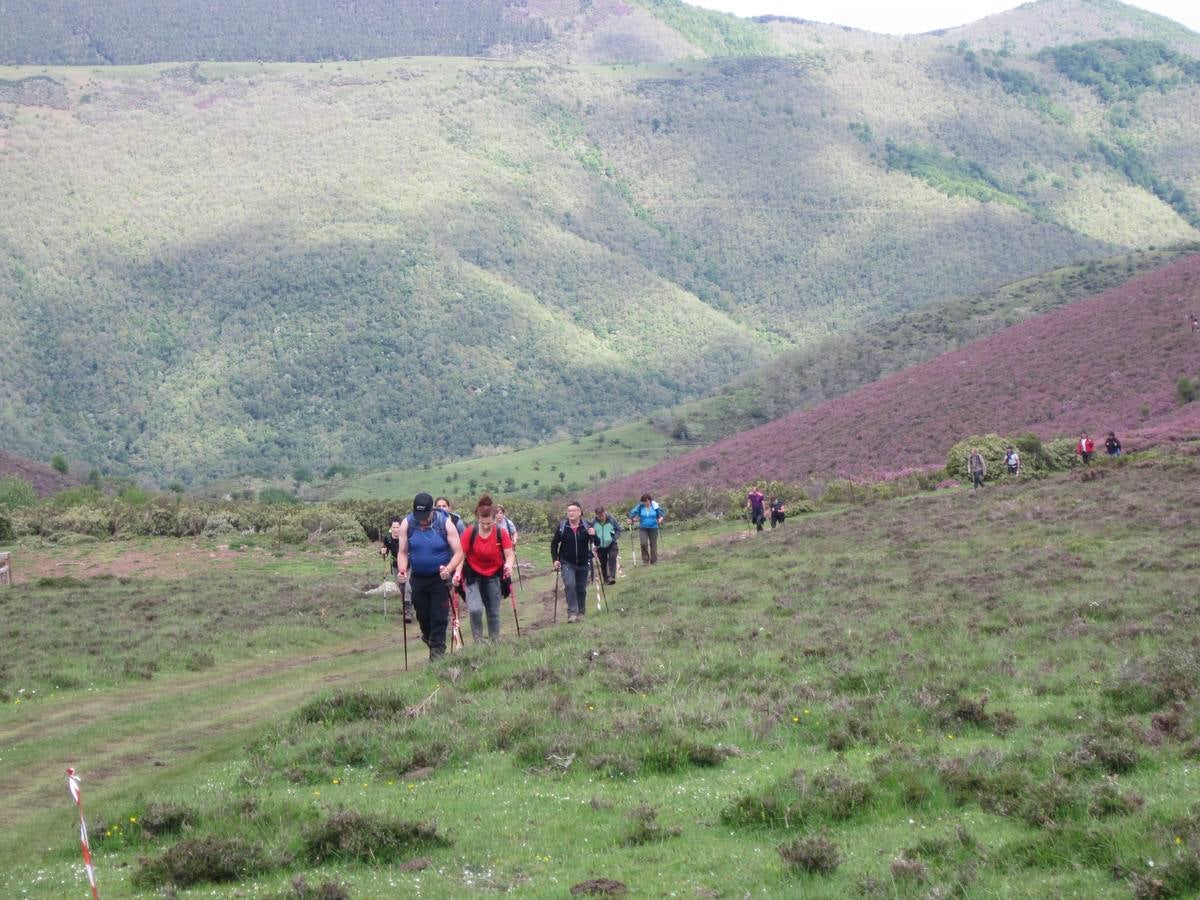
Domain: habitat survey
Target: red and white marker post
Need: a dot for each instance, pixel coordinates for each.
(77, 795)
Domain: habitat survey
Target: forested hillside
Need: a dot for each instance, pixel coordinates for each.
(224, 267)
(1125, 360)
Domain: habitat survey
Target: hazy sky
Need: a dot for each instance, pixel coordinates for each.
(916, 15)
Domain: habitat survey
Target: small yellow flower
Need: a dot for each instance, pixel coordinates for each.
(1178, 839)
(412, 787)
(807, 711)
(795, 718)
(390, 781)
(365, 784)
(316, 793)
(133, 819)
(949, 737)
(337, 781)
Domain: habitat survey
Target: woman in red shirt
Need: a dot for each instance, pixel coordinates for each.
(487, 554)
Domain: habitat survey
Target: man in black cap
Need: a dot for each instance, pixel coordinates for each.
(430, 552)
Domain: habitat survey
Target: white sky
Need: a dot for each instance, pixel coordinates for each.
(915, 16)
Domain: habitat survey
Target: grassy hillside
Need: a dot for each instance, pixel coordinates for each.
(780, 708)
(265, 266)
(1110, 362)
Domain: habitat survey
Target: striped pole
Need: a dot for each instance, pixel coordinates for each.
(73, 784)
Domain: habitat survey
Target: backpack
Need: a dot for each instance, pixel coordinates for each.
(439, 523)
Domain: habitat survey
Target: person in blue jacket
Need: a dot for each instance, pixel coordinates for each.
(649, 516)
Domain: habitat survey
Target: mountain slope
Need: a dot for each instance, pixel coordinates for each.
(1043, 23)
(228, 267)
(1109, 362)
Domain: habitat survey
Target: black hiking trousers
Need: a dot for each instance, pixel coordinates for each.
(431, 602)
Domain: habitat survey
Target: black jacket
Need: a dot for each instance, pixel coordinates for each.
(569, 546)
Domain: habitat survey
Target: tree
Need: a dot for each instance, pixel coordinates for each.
(58, 463)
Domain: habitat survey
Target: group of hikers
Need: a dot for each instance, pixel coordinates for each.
(1085, 449)
(437, 559)
(755, 506)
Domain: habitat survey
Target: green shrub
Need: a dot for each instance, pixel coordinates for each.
(58, 463)
(16, 492)
(7, 532)
(1186, 390)
(88, 520)
(77, 496)
(991, 446)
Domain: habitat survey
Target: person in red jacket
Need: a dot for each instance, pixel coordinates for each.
(487, 555)
(1085, 448)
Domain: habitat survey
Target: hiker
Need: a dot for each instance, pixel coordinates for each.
(487, 557)
(649, 517)
(778, 513)
(1195, 324)
(391, 547)
(1012, 459)
(977, 466)
(444, 505)
(607, 530)
(1112, 445)
(754, 503)
(1085, 448)
(571, 552)
(430, 553)
(503, 521)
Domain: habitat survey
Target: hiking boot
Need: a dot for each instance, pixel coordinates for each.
(572, 618)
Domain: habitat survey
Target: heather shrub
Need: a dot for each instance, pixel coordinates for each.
(815, 855)
(203, 859)
(349, 835)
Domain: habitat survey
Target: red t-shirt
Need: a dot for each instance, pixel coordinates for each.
(485, 557)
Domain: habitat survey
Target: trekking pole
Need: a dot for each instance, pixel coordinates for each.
(557, 576)
(512, 596)
(517, 563)
(598, 578)
(455, 629)
(404, 626)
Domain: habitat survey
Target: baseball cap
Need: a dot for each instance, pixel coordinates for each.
(422, 506)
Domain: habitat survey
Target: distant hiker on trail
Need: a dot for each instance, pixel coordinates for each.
(1012, 459)
(607, 531)
(430, 553)
(444, 505)
(977, 466)
(503, 521)
(1195, 324)
(778, 513)
(391, 547)
(1085, 448)
(649, 517)
(754, 503)
(571, 552)
(1112, 445)
(487, 555)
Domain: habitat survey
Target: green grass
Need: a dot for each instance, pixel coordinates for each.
(533, 472)
(990, 692)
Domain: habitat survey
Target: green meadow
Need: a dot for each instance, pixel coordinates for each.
(951, 693)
